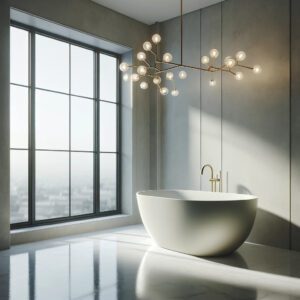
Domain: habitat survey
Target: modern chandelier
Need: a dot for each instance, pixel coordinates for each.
(152, 68)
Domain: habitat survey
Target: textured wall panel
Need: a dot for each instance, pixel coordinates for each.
(211, 101)
(256, 113)
(180, 136)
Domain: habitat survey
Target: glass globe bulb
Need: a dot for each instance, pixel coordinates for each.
(240, 56)
(239, 76)
(135, 77)
(141, 56)
(182, 74)
(125, 77)
(229, 62)
(169, 75)
(124, 66)
(164, 91)
(214, 53)
(147, 46)
(157, 80)
(167, 57)
(205, 60)
(143, 85)
(212, 82)
(257, 69)
(142, 70)
(156, 38)
(175, 93)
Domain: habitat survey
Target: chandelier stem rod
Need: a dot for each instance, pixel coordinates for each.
(181, 32)
(165, 70)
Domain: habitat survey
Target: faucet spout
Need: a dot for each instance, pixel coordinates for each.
(213, 180)
(211, 170)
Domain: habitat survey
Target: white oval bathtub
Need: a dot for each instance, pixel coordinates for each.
(195, 222)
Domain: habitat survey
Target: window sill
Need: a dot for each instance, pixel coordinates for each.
(45, 232)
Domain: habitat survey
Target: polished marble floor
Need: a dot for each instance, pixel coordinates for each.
(125, 264)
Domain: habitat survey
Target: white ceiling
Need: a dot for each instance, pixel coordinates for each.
(151, 11)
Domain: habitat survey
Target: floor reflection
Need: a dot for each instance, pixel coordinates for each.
(165, 277)
(124, 265)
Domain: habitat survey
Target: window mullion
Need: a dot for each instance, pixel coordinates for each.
(96, 135)
(118, 136)
(32, 131)
(70, 110)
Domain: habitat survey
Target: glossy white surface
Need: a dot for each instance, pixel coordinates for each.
(124, 264)
(195, 222)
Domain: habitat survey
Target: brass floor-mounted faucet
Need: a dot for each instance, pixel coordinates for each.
(213, 180)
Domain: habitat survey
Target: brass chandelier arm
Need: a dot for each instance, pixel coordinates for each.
(166, 70)
(183, 66)
(148, 67)
(230, 71)
(243, 66)
(147, 63)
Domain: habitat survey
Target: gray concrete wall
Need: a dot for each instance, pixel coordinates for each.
(88, 17)
(4, 125)
(180, 116)
(211, 100)
(256, 113)
(245, 126)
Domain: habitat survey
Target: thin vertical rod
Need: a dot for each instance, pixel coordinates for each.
(181, 32)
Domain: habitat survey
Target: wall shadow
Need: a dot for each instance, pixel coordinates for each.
(267, 225)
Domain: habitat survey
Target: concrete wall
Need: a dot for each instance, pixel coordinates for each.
(241, 127)
(180, 116)
(256, 113)
(211, 100)
(4, 124)
(87, 17)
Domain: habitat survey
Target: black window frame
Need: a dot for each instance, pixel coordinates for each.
(32, 222)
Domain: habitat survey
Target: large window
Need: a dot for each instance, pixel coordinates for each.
(64, 130)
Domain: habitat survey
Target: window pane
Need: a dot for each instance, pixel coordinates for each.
(52, 184)
(108, 78)
(19, 54)
(82, 183)
(108, 127)
(82, 120)
(18, 186)
(108, 174)
(82, 72)
(52, 121)
(52, 64)
(18, 117)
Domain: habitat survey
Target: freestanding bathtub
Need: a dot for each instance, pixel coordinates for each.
(195, 222)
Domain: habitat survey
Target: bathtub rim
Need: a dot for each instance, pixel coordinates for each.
(236, 196)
